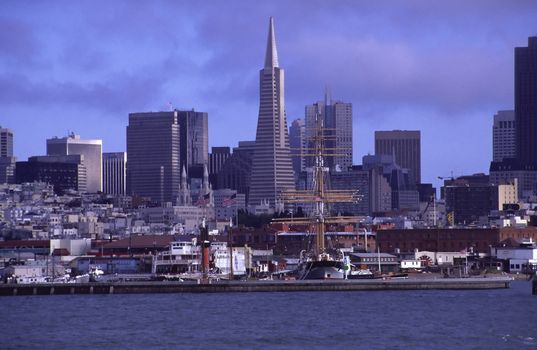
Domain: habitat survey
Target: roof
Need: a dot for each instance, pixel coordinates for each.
(372, 255)
(146, 241)
(34, 243)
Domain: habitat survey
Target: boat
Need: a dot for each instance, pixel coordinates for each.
(320, 262)
(361, 274)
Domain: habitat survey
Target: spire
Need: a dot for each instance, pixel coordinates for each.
(183, 179)
(327, 96)
(271, 57)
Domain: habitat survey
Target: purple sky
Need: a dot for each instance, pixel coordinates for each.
(444, 68)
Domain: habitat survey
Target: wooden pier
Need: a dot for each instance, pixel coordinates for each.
(255, 286)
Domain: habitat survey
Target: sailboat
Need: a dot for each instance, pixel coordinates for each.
(320, 262)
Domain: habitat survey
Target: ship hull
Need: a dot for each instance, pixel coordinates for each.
(320, 270)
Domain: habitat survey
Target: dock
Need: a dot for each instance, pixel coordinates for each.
(254, 286)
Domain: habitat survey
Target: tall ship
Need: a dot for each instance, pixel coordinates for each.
(320, 262)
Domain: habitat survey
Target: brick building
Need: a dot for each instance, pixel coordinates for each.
(449, 240)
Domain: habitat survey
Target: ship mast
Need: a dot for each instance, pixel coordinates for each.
(318, 195)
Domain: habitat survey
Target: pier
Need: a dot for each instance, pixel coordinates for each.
(255, 286)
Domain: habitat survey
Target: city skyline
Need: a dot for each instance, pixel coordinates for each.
(444, 70)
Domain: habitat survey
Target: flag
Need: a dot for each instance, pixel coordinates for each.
(451, 218)
(204, 200)
(228, 202)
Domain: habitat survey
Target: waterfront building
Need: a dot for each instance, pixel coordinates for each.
(337, 121)
(272, 169)
(63, 172)
(297, 142)
(526, 102)
(115, 173)
(91, 150)
(236, 171)
(405, 146)
(503, 136)
(153, 150)
(479, 240)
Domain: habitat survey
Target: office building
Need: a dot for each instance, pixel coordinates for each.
(337, 123)
(7, 161)
(503, 136)
(526, 102)
(63, 172)
(405, 146)
(297, 142)
(217, 158)
(272, 169)
(193, 139)
(470, 198)
(6, 142)
(236, 171)
(115, 173)
(404, 196)
(355, 179)
(90, 149)
(153, 150)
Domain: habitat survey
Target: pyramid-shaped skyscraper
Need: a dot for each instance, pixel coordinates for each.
(272, 169)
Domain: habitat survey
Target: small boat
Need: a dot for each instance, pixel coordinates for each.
(360, 274)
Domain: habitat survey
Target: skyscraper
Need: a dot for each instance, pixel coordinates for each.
(503, 136)
(90, 149)
(7, 161)
(6, 142)
(526, 102)
(153, 151)
(297, 141)
(337, 120)
(405, 145)
(217, 158)
(64, 172)
(193, 139)
(115, 173)
(272, 169)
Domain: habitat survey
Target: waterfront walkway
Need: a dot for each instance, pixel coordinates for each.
(254, 286)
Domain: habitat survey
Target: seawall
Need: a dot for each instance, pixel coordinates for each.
(253, 286)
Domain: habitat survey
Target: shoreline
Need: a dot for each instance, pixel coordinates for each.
(256, 286)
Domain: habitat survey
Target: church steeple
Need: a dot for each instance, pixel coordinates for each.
(271, 56)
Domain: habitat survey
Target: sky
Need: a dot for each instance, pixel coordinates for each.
(442, 67)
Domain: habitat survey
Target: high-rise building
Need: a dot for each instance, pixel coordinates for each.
(115, 173)
(153, 150)
(193, 139)
(297, 141)
(405, 146)
(468, 198)
(90, 149)
(357, 180)
(272, 169)
(237, 170)
(6, 142)
(7, 161)
(503, 136)
(526, 102)
(66, 172)
(217, 158)
(337, 121)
